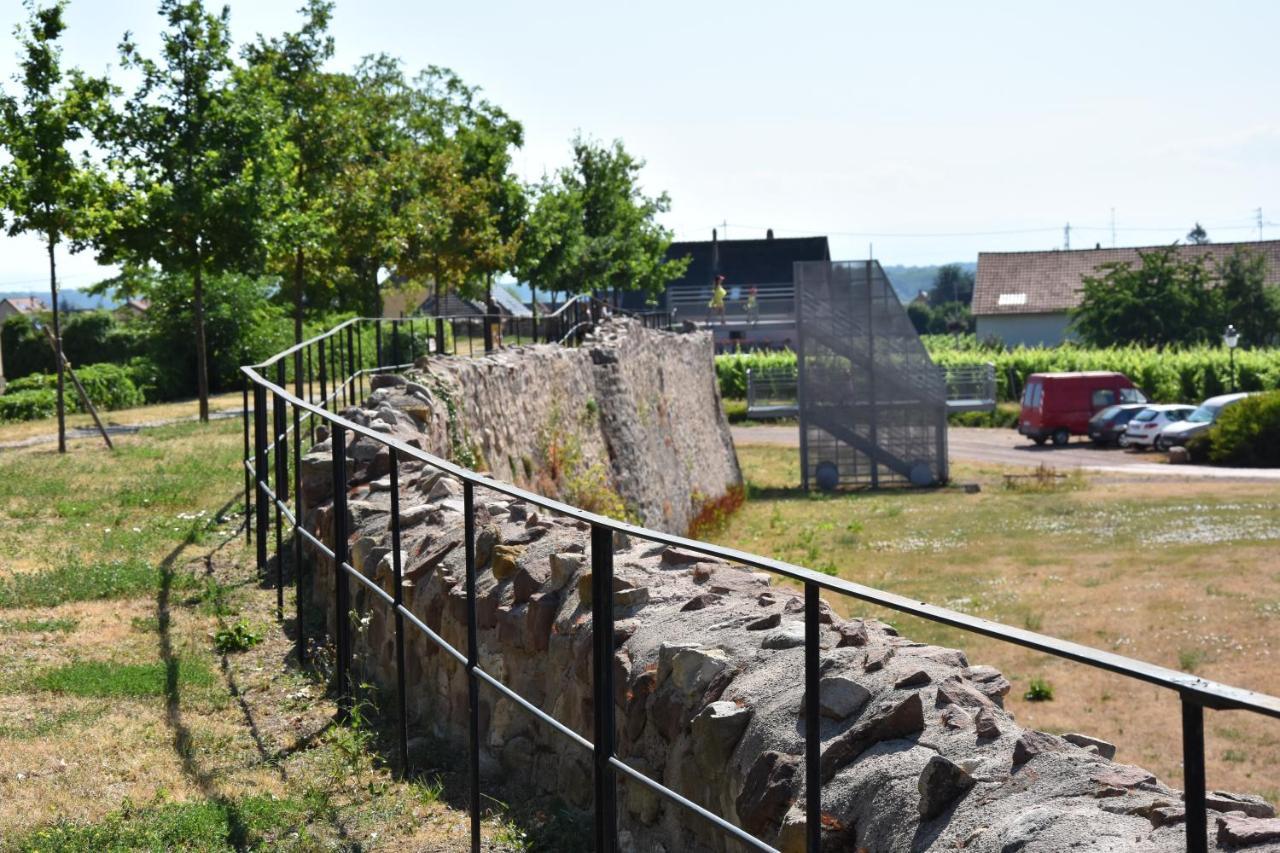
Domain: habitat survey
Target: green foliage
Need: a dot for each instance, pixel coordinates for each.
(1187, 375)
(237, 638)
(109, 386)
(1039, 690)
(1247, 433)
(102, 678)
(731, 368)
(593, 229)
(1173, 299)
(33, 405)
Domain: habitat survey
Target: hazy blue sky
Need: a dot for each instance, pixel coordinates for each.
(933, 130)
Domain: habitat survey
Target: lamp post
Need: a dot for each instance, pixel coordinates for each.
(1231, 337)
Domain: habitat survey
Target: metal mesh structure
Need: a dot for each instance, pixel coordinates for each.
(873, 407)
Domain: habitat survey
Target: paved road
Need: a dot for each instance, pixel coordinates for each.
(1006, 447)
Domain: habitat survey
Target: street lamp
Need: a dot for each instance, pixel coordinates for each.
(1231, 337)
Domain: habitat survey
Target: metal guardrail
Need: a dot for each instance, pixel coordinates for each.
(772, 392)
(1195, 694)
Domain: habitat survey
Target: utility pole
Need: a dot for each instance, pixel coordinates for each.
(1113, 227)
(1066, 237)
(1259, 213)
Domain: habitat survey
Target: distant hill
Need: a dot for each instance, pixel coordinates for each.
(70, 299)
(908, 281)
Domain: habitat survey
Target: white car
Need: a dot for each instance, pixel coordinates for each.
(1146, 425)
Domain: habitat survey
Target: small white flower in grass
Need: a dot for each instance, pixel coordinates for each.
(106, 530)
(137, 530)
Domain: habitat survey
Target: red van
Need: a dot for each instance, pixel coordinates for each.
(1059, 405)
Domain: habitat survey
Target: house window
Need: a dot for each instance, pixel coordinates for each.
(1012, 299)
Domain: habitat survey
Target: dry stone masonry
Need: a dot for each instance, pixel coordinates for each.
(919, 753)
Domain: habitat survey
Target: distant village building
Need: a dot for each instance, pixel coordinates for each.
(764, 264)
(1025, 298)
(132, 308)
(20, 305)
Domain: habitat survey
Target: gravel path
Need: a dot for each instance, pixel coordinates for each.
(112, 429)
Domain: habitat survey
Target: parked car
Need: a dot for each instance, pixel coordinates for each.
(1205, 415)
(1107, 426)
(1146, 425)
(1059, 405)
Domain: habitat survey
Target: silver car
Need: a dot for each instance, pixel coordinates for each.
(1178, 434)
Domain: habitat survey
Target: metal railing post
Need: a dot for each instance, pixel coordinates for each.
(402, 703)
(260, 471)
(244, 460)
(351, 364)
(395, 343)
(311, 396)
(324, 387)
(341, 589)
(377, 339)
(440, 334)
(297, 509)
(360, 383)
(606, 828)
(473, 660)
(812, 722)
(412, 341)
(1193, 775)
(281, 450)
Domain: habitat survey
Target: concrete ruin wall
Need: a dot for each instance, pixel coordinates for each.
(919, 753)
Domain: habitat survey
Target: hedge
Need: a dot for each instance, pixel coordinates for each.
(1247, 433)
(34, 396)
(1174, 376)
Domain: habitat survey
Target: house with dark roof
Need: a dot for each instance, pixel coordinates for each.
(1025, 298)
(763, 264)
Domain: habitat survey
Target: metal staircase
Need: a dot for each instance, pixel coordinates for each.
(872, 405)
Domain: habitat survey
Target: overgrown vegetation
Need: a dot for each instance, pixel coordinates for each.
(1247, 434)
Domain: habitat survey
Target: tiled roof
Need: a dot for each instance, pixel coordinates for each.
(26, 304)
(1050, 282)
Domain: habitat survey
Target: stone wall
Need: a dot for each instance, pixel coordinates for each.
(919, 753)
(629, 422)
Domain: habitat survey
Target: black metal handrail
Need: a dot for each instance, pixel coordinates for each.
(1195, 693)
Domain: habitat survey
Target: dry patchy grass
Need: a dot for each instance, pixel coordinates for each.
(1179, 574)
(120, 726)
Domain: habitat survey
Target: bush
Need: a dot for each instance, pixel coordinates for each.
(109, 386)
(29, 405)
(1247, 433)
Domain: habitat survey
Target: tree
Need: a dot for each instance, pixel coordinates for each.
(186, 149)
(593, 229)
(1198, 236)
(1247, 302)
(312, 136)
(1165, 301)
(44, 187)
(953, 283)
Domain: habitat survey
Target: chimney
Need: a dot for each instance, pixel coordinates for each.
(768, 235)
(713, 235)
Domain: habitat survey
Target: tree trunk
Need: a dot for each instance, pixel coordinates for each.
(57, 345)
(298, 308)
(202, 366)
(297, 295)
